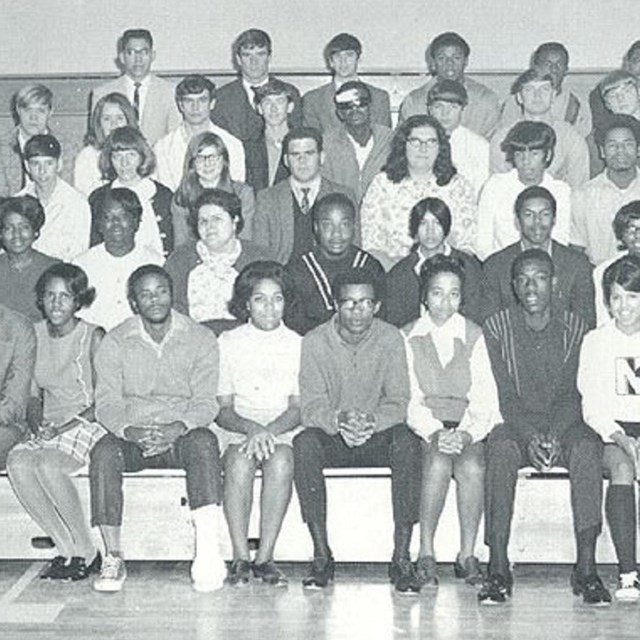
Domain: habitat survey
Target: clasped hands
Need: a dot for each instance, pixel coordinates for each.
(451, 441)
(355, 427)
(544, 451)
(260, 444)
(155, 439)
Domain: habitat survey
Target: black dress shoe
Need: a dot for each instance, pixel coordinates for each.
(78, 569)
(591, 589)
(56, 569)
(320, 573)
(403, 577)
(496, 589)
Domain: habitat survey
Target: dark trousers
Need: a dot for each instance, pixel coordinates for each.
(398, 447)
(196, 452)
(506, 453)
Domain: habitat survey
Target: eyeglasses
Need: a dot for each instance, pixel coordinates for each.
(417, 143)
(364, 304)
(210, 158)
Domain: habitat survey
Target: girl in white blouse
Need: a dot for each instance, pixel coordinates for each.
(259, 415)
(453, 405)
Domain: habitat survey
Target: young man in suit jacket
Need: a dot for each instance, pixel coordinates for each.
(342, 56)
(282, 220)
(354, 153)
(236, 108)
(535, 210)
(151, 97)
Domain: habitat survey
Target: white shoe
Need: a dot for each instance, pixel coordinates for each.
(208, 573)
(628, 587)
(112, 575)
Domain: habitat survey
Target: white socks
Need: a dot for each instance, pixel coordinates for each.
(208, 569)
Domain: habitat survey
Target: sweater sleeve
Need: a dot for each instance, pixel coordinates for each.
(392, 407)
(316, 409)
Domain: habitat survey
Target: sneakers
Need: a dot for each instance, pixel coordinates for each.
(320, 573)
(208, 571)
(628, 587)
(496, 589)
(403, 577)
(591, 589)
(239, 573)
(469, 570)
(112, 575)
(427, 571)
(269, 573)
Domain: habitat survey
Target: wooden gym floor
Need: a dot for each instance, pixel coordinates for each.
(157, 603)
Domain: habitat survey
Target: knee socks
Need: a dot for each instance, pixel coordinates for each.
(620, 508)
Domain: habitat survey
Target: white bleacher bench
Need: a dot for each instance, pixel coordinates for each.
(157, 525)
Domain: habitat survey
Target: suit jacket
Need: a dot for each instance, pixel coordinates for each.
(340, 163)
(319, 110)
(273, 220)
(160, 115)
(574, 282)
(12, 176)
(234, 112)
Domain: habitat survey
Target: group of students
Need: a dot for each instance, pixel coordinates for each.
(243, 278)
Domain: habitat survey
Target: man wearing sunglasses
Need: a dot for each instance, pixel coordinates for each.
(354, 153)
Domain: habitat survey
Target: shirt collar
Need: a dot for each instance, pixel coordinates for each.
(422, 258)
(313, 186)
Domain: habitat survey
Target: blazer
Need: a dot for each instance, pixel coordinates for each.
(273, 220)
(340, 164)
(319, 109)
(160, 115)
(233, 112)
(574, 282)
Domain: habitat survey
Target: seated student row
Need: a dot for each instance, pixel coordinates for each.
(260, 294)
(447, 100)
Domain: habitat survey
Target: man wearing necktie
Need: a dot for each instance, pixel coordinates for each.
(283, 220)
(236, 102)
(152, 98)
